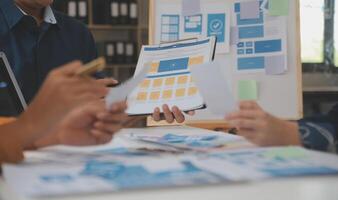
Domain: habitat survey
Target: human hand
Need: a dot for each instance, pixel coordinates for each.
(170, 115)
(62, 91)
(261, 128)
(91, 124)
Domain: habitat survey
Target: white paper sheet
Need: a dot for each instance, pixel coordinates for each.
(121, 92)
(169, 79)
(214, 88)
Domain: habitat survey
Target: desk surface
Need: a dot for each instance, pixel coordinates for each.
(310, 188)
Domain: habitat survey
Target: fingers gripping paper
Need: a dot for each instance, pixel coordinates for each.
(214, 88)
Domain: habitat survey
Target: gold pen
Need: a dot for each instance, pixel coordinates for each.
(92, 67)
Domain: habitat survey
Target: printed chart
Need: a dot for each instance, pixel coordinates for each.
(169, 79)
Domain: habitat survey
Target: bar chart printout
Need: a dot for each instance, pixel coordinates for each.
(169, 79)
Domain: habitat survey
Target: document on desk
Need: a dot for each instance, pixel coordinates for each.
(114, 169)
(169, 79)
(214, 88)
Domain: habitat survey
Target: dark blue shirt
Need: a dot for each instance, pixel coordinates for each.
(33, 51)
(321, 132)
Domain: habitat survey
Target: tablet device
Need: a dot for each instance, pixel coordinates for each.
(12, 102)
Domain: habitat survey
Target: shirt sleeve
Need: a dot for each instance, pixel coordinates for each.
(320, 132)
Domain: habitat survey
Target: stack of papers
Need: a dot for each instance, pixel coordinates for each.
(112, 168)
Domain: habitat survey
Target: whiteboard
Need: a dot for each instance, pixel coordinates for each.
(280, 95)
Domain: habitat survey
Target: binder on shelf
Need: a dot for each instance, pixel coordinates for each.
(124, 12)
(110, 52)
(133, 12)
(101, 12)
(114, 12)
(130, 52)
(82, 13)
(120, 52)
(60, 6)
(72, 8)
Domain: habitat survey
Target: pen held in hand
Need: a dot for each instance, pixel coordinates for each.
(92, 67)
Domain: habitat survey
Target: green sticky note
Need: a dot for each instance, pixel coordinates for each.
(279, 7)
(286, 153)
(247, 90)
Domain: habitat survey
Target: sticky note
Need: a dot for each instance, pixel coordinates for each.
(278, 7)
(275, 65)
(249, 10)
(180, 92)
(191, 7)
(154, 67)
(247, 90)
(167, 94)
(286, 153)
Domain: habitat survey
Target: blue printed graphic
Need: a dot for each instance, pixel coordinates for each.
(173, 65)
(57, 178)
(136, 176)
(193, 24)
(251, 63)
(216, 26)
(170, 28)
(251, 32)
(268, 46)
(237, 6)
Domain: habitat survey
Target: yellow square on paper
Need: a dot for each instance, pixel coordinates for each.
(155, 95)
(170, 81)
(167, 94)
(145, 84)
(154, 67)
(142, 96)
(157, 82)
(180, 92)
(182, 79)
(196, 60)
(192, 91)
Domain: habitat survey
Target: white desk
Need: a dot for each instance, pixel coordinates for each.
(310, 188)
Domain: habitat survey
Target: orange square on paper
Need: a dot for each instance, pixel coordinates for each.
(142, 96)
(170, 81)
(196, 60)
(154, 67)
(167, 94)
(182, 79)
(180, 92)
(192, 91)
(145, 84)
(157, 82)
(155, 95)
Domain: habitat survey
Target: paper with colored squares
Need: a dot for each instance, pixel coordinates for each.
(169, 79)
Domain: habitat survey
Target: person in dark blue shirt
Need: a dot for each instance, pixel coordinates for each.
(37, 39)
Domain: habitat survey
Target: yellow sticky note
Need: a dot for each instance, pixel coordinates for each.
(247, 90)
(192, 91)
(157, 82)
(142, 96)
(182, 79)
(145, 84)
(155, 95)
(167, 94)
(170, 81)
(180, 92)
(278, 7)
